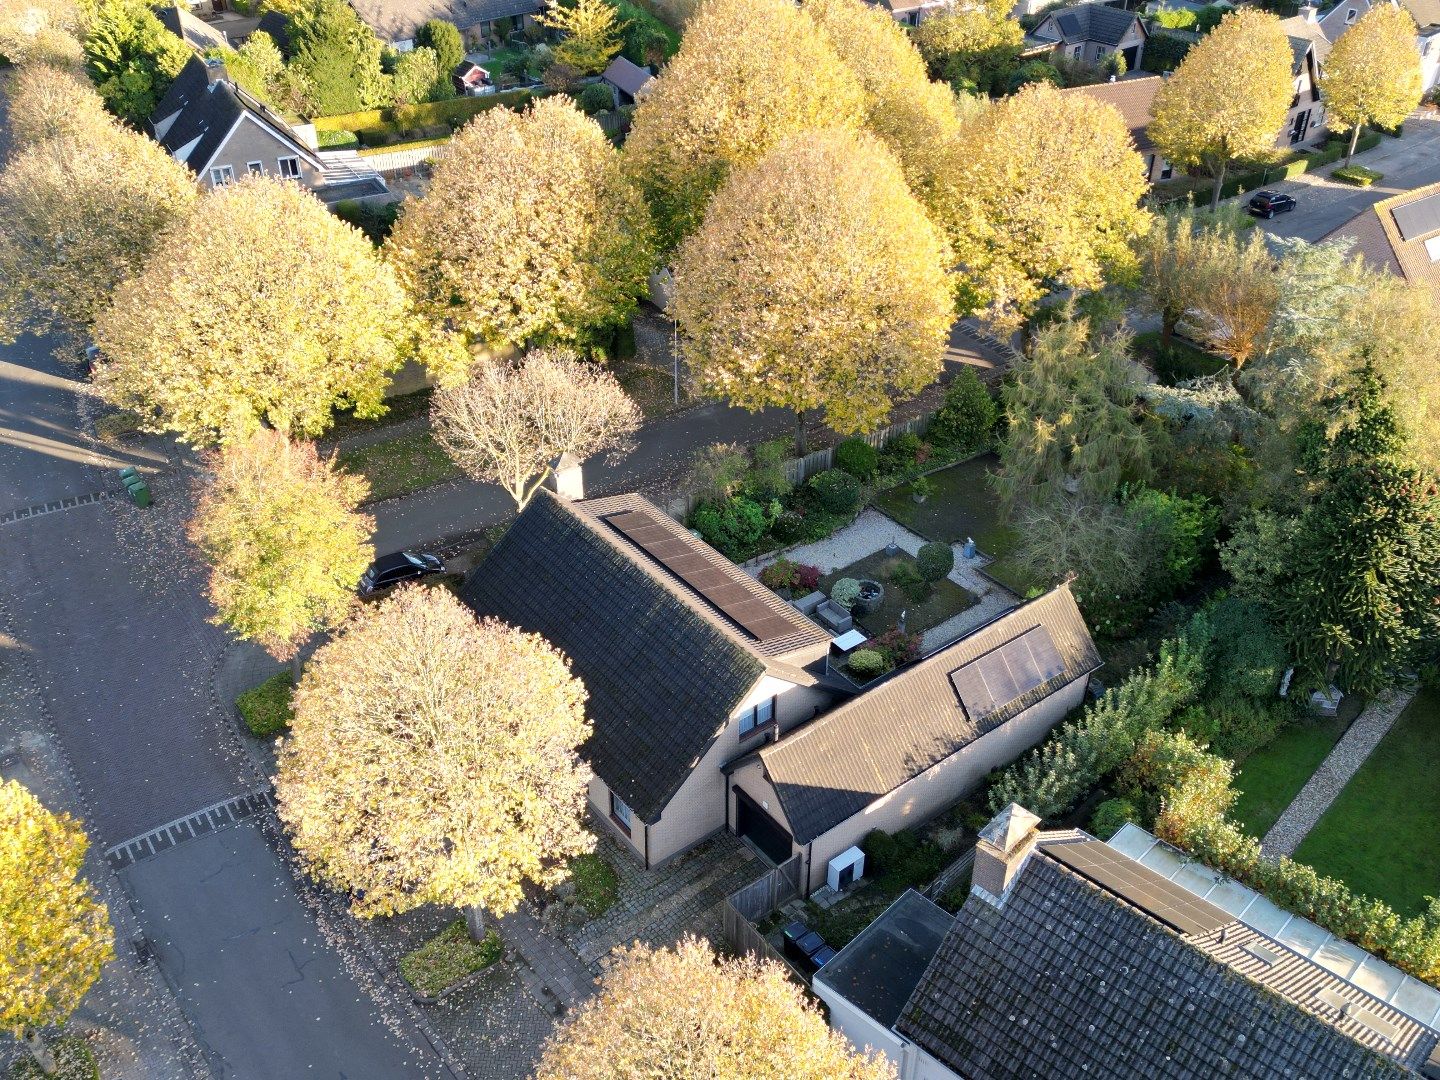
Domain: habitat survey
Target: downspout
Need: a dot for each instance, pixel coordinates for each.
(809, 851)
(646, 851)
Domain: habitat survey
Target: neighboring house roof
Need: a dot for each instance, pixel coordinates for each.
(664, 667)
(1067, 977)
(840, 763)
(278, 27)
(196, 33)
(1132, 97)
(400, 20)
(629, 78)
(1426, 13)
(1088, 22)
(196, 115)
(1304, 35)
(1400, 234)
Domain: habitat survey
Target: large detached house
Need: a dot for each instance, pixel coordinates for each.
(396, 22)
(1331, 23)
(1089, 33)
(713, 706)
(1071, 958)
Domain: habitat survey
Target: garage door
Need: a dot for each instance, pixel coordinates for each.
(761, 829)
(1132, 55)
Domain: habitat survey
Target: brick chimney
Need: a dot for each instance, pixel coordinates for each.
(1310, 13)
(1001, 851)
(566, 478)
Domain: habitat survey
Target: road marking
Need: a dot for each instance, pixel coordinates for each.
(190, 827)
(55, 506)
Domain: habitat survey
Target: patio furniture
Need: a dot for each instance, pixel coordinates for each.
(807, 604)
(834, 617)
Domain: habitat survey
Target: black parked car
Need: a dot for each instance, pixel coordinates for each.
(1267, 204)
(390, 570)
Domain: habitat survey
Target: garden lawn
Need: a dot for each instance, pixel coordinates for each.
(397, 410)
(945, 599)
(448, 957)
(961, 505)
(401, 465)
(1379, 835)
(1270, 778)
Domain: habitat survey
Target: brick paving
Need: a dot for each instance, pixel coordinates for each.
(1325, 785)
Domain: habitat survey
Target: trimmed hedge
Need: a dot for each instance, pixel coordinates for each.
(395, 148)
(266, 708)
(1357, 175)
(371, 126)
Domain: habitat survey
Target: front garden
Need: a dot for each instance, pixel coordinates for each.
(399, 466)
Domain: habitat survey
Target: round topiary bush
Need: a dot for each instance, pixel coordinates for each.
(845, 592)
(935, 561)
(596, 98)
(789, 527)
(866, 663)
(857, 457)
(967, 418)
(1110, 817)
(837, 491)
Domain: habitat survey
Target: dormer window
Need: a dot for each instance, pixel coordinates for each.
(1350, 16)
(761, 716)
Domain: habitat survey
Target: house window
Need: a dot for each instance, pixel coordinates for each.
(760, 716)
(221, 175)
(289, 168)
(1167, 172)
(1349, 16)
(1075, 52)
(257, 168)
(620, 814)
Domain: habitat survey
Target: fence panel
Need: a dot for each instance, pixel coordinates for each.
(396, 160)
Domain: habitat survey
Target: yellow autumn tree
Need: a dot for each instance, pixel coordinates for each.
(47, 100)
(42, 31)
(1372, 75)
(1228, 99)
(280, 529)
(84, 208)
(434, 759)
(264, 309)
(686, 1014)
(55, 933)
(566, 238)
(1046, 190)
(918, 120)
(749, 73)
(591, 30)
(816, 281)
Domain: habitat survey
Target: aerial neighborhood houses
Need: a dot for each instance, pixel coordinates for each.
(479, 21)
(1089, 33)
(1401, 236)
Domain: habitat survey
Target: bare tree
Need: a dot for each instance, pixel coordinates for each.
(508, 424)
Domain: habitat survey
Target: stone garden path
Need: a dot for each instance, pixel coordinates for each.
(872, 531)
(1343, 762)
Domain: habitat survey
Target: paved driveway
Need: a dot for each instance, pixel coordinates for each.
(1324, 205)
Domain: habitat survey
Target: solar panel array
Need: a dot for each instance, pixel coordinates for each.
(996, 678)
(697, 570)
(1419, 217)
(1162, 900)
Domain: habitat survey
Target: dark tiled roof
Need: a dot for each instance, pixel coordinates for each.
(835, 766)
(196, 33)
(1132, 97)
(1384, 246)
(1092, 22)
(631, 78)
(1068, 980)
(663, 676)
(187, 87)
(399, 20)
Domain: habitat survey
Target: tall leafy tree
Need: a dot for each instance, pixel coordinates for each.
(1170, 258)
(507, 425)
(972, 47)
(816, 281)
(1073, 418)
(749, 73)
(298, 316)
(543, 193)
(1360, 600)
(47, 100)
(1228, 99)
(445, 39)
(434, 759)
(132, 58)
(55, 933)
(1237, 292)
(1012, 245)
(83, 211)
(687, 1014)
(337, 58)
(279, 527)
(257, 67)
(1372, 75)
(418, 77)
(592, 32)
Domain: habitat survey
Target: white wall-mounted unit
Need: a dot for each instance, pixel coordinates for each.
(845, 869)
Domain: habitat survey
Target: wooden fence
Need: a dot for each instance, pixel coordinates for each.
(754, 902)
(398, 160)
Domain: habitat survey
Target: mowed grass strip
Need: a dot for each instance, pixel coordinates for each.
(399, 466)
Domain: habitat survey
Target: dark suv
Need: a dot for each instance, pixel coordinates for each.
(1267, 204)
(390, 570)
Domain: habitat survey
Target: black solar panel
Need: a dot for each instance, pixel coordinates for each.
(995, 679)
(1140, 886)
(733, 598)
(1416, 219)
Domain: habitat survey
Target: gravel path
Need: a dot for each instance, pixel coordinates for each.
(1333, 774)
(872, 531)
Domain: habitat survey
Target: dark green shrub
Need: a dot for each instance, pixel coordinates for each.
(732, 527)
(595, 98)
(904, 447)
(1358, 175)
(625, 342)
(1250, 654)
(1243, 726)
(866, 663)
(1111, 816)
(837, 490)
(907, 578)
(880, 850)
(935, 561)
(857, 457)
(903, 861)
(1163, 52)
(789, 527)
(266, 708)
(767, 478)
(967, 418)
(1180, 534)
